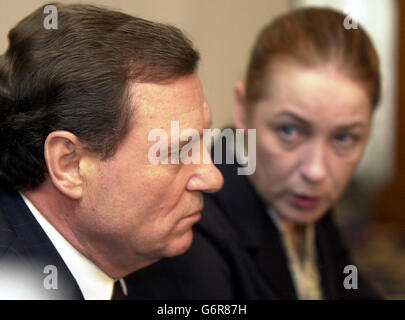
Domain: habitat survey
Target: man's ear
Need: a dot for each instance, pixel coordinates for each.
(63, 152)
(239, 109)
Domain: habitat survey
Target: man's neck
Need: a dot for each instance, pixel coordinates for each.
(62, 213)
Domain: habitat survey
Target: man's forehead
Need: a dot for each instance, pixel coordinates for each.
(169, 99)
(159, 105)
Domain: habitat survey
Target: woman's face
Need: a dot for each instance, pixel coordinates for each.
(311, 133)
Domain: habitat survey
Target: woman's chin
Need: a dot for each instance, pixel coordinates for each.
(303, 217)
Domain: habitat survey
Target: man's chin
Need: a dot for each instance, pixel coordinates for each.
(179, 245)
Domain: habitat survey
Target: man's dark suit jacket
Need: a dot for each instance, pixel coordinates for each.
(237, 253)
(24, 245)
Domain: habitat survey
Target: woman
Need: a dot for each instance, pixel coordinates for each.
(311, 89)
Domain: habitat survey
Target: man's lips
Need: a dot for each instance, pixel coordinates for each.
(304, 201)
(193, 218)
(195, 213)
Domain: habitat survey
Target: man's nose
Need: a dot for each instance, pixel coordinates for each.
(314, 165)
(207, 177)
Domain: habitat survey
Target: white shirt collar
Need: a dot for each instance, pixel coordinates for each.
(94, 283)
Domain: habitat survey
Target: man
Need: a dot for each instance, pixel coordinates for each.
(81, 203)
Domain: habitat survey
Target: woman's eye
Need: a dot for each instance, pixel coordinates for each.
(289, 133)
(346, 140)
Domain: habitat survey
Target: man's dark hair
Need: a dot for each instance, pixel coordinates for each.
(76, 78)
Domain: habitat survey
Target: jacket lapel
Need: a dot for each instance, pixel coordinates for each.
(332, 258)
(256, 232)
(38, 250)
(272, 261)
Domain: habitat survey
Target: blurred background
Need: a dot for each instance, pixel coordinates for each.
(371, 214)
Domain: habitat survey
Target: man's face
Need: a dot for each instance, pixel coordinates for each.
(134, 211)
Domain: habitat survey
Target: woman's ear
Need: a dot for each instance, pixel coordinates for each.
(63, 152)
(239, 110)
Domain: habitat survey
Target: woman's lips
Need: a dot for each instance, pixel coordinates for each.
(305, 202)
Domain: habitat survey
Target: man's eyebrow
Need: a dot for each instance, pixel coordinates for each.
(182, 143)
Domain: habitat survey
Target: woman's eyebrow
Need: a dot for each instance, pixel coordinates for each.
(352, 126)
(294, 116)
(306, 122)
